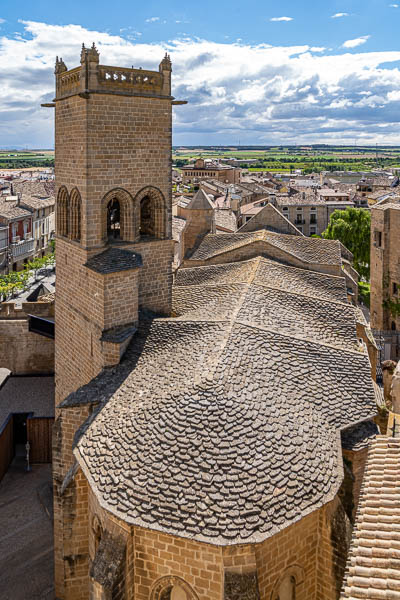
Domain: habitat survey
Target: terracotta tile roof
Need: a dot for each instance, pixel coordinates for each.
(299, 200)
(36, 194)
(373, 564)
(216, 426)
(10, 210)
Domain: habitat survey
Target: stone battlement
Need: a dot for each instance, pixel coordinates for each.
(91, 77)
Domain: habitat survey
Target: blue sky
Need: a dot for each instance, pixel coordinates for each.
(261, 72)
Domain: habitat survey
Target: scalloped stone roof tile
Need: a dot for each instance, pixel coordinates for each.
(223, 424)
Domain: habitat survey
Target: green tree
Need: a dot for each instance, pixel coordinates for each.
(352, 227)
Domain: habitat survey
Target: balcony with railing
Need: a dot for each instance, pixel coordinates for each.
(20, 249)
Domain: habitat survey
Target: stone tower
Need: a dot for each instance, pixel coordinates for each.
(113, 183)
(200, 220)
(114, 247)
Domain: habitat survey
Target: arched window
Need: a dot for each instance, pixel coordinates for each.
(62, 212)
(151, 213)
(393, 326)
(118, 223)
(285, 586)
(287, 589)
(147, 217)
(172, 588)
(75, 215)
(113, 220)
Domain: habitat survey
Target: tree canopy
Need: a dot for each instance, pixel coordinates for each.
(352, 227)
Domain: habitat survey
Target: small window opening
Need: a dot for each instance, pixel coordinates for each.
(113, 220)
(147, 217)
(287, 589)
(378, 239)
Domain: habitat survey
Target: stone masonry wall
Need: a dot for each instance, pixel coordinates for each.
(158, 554)
(313, 551)
(72, 568)
(358, 460)
(385, 266)
(334, 542)
(24, 352)
(155, 277)
(66, 423)
(198, 223)
(79, 320)
(294, 546)
(108, 142)
(393, 239)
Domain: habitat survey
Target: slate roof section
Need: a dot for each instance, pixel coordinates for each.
(308, 250)
(222, 429)
(373, 563)
(270, 273)
(239, 272)
(360, 436)
(307, 318)
(113, 260)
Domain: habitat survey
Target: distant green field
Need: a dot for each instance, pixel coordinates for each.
(15, 159)
(281, 159)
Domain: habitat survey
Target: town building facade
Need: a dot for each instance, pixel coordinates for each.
(202, 169)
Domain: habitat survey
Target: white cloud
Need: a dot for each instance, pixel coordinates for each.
(394, 5)
(152, 19)
(338, 15)
(356, 42)
(281, 19)
(264, 94)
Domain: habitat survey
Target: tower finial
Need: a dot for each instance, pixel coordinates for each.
(60, 66)
(165, 64)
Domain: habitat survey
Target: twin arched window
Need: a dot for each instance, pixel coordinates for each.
(124, 218)
(133, 219)
(69, 214)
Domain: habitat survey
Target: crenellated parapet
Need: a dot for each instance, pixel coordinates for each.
(92, 77)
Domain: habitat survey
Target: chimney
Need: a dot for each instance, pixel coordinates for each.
(18, 198)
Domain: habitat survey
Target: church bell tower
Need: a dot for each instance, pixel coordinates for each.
(113, 245)
(113, 184)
